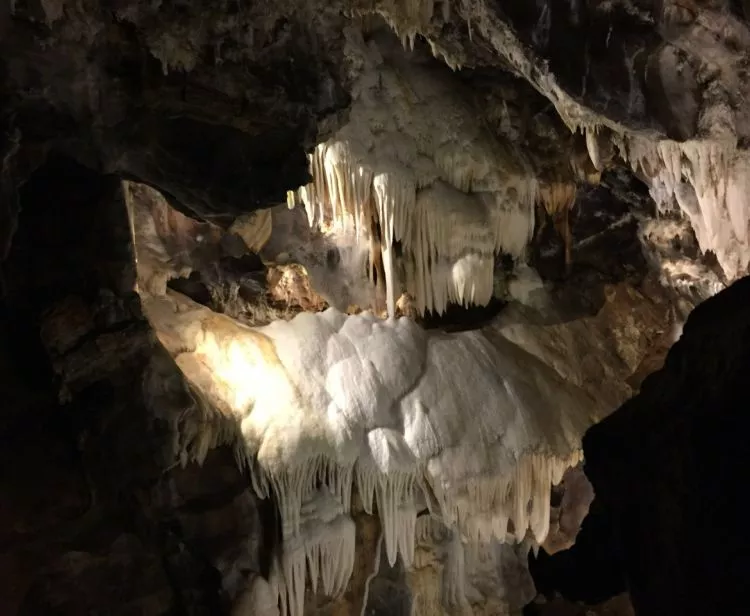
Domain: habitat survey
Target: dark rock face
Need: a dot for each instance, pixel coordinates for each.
(96, 518)
(590, 571)
(665, 467)
(596, 50)
(221, 125)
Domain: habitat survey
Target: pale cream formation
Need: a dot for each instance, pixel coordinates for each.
(415, 161)
(473, 431)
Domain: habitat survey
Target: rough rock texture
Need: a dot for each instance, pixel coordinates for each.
(679, 439)
(216, 105)
(568, 510)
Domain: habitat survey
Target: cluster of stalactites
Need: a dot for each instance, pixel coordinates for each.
(477, 456)
(557, 197)
(448, 236)
(708, 180)
(447, 564)
(319, 535)
(320, 550)
(413, 17)
(490, 508)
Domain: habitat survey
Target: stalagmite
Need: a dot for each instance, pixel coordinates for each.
(425, 577)
(454, 577)
(372, 575)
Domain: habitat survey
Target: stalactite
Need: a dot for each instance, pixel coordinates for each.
(449, 237)
(707, 180)
(558, 197)
(321, 550)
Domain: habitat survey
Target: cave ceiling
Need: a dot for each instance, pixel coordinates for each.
(218, 105)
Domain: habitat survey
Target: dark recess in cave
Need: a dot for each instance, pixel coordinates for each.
(462, 318)
(192, 287)
(61, 239)
(591, 571)
(246, 273)
(270, 520)
(606, 247)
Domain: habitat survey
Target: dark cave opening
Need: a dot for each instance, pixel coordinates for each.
(608, 213)
(270, 519)
(46, 480)
(590, 572)
(193, 287)
(245, 275)
(62, 239)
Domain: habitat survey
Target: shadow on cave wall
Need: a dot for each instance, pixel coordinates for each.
(666, 466)
(668, 522)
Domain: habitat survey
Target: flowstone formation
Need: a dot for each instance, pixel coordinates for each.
(334, 415)
(474, 431)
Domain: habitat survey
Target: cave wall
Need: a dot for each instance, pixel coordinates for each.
(96, 516)
(100, 515)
